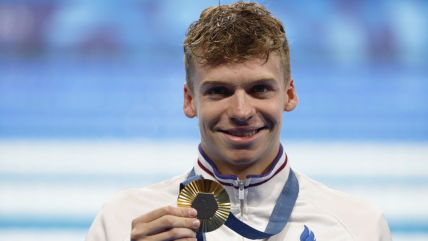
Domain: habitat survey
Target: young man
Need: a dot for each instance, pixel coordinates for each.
(238, 85)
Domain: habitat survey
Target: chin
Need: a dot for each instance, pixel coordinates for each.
(242, 156)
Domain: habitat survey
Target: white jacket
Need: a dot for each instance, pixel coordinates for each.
(331, 215)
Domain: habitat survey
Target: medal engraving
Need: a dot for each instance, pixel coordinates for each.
(205, 204)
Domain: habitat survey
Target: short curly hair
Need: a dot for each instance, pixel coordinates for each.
(235, 33)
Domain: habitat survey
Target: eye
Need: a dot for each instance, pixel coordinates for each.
(218, 91)
(260, 88)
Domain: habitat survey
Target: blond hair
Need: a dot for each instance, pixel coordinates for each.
(234, 33)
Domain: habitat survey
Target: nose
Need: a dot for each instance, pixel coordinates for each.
(241, 110)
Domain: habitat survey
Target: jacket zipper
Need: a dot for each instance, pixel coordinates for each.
(241, 197)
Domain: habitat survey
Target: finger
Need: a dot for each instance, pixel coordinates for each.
(140, 230)
(167, 210)
(175, 234)
(170, 222)
(186, 239)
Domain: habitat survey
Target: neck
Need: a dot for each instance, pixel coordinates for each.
(242, 171)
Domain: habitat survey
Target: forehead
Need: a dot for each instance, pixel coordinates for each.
(240, 73)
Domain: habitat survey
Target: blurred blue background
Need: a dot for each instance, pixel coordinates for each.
(86, 77)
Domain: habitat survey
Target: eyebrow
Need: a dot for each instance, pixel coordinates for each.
(222, 82)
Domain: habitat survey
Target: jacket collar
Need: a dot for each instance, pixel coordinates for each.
(257, 187)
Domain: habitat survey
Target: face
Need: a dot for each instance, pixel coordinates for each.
(239, 109)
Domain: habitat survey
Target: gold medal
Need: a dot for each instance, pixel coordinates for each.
(211, 201)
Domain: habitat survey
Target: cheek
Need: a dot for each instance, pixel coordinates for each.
(273, 112)
(208, 117)
(211, 110)
(277, 118)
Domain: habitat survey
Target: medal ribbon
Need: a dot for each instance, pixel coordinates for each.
(278, 219)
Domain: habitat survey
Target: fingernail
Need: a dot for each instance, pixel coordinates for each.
(196, 223)
(192, 213)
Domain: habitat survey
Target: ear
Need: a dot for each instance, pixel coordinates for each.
(291, 97)
(188, 107)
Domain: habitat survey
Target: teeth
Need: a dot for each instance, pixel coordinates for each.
(242, 133)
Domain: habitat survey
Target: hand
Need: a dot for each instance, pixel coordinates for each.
(166, 223)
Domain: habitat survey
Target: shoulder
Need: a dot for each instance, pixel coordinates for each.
(359, 217)
(113, 222)
(328, 198)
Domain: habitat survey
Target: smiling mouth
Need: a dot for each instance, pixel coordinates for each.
(243, 133)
